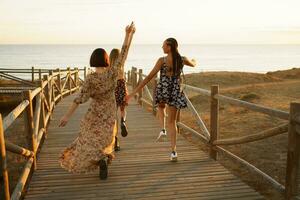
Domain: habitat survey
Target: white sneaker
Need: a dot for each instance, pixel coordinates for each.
(162, 136)
(173, 156)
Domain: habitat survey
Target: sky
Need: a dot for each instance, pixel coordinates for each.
(189, 21)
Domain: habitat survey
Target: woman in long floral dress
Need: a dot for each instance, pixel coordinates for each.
(94, 145)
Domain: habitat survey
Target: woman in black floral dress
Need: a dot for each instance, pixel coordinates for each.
(121, 92)
(168, 89)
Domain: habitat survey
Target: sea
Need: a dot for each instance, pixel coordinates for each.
(214, 57)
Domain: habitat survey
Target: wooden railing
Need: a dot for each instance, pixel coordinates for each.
(50, 89)
(19, 74)
(291, 189)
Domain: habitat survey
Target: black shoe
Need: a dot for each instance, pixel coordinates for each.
(124, 131)
(117, 144)
(103, 168)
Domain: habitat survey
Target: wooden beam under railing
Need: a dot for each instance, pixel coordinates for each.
(254, 137)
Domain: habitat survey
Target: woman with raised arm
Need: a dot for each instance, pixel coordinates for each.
(120, 94)
(94, 145)
(168, 89)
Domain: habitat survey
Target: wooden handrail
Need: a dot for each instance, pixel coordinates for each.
(18, 150)
(35, 92)
(198, 119)
(199, 135)
(17, 193)
(13, 115)
(36, 122)
(195, 89)
(254, 137)
(254, 107)
(252, 168)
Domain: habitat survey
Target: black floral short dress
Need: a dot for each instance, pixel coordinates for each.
(168, 90)
(121, 92)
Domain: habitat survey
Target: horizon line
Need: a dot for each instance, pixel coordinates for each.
(150, 44)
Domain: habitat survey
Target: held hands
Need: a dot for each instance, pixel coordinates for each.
(63, 121)
(128, 97)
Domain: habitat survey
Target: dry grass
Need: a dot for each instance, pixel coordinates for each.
(274, 90)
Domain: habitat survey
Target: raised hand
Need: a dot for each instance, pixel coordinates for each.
(130, 28)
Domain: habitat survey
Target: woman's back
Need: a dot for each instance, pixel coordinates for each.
(102, 85)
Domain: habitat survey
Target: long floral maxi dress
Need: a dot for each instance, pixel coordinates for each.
(98, 126)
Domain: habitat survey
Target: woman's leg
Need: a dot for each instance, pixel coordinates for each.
(161, 115)
(123, 113)
(172, 128)
(162, 136)
(117, 142)
(124, 131)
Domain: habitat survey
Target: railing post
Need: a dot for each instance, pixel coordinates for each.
(46, 92)
(85, 73)
(4, 162)
(292, 183)
(43, 116)
(128, 77)
(59, 83)
(32, 74)
(69, 80)
(40, 74)
(52, 92)
(31, 137)
(154, 85)
(134, 78)
(76, 75)
(141, 91)
(214, 120)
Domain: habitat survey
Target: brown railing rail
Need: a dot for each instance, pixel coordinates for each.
(291, 189)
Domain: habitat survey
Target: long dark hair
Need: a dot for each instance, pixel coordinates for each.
(176, 57)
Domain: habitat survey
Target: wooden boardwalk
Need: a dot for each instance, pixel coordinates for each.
(141, 170)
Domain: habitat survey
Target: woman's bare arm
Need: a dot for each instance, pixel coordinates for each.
(64, 120)
(125, 47)
(153, 72)
(130, 36)
(82, 97)
(191, 63)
